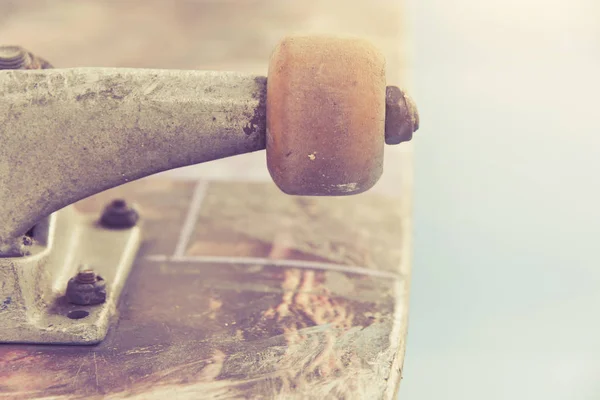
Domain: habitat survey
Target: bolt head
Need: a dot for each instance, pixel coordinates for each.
(119, 215)
(401, 116)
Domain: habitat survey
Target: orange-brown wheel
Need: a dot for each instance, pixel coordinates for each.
(326, 107)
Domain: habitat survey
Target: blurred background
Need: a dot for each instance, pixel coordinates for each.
(504, 292)
(506, 275)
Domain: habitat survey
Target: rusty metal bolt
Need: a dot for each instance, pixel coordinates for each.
(86, 288)
(401, 116)
(119, 215)
(16, 57)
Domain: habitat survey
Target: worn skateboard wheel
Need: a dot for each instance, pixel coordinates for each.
(325, 115)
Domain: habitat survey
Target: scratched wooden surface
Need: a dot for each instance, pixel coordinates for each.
(240, 291)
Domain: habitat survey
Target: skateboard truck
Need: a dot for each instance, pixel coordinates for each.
(323, 116)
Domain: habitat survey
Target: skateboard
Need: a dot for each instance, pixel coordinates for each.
(117, 284)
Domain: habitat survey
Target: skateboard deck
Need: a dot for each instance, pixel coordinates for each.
(240, 291)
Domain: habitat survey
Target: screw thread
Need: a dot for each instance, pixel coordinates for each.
(86, 276)
(13, 57)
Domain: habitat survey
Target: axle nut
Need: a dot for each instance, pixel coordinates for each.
(401, 116)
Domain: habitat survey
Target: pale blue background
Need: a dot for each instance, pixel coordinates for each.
(505, 296)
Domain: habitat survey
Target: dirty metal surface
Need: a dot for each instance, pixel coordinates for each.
(32, 292)
(69, 133)
(242, 292)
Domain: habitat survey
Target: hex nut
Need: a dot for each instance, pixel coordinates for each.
(86, 288)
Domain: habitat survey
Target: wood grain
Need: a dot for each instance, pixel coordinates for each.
(230, 318)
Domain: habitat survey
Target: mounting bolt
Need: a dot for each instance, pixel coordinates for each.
(119, 215)
(14, 57)
(401, 116)
(86, 288)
